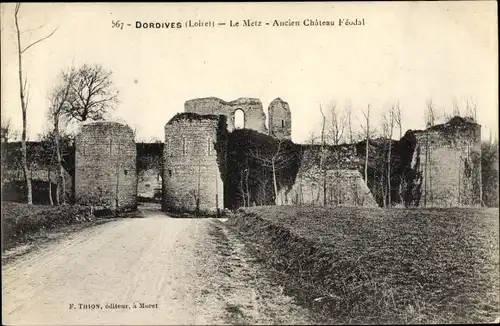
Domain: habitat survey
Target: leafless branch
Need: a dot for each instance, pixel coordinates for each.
(38, 41)
(32, 29)
(430, 114)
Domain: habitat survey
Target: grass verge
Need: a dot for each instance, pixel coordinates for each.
(358, 265)
(23, 223)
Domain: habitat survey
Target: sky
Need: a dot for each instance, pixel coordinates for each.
(407, 51)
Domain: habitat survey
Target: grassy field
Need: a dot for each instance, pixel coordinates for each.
(358, 265)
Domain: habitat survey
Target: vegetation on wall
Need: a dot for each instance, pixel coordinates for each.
(489, 169)
(220, 146)
(149, 156)
(189, 116)
(245, 162)
(250, 179)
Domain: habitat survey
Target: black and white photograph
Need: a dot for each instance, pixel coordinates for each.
(266, 163)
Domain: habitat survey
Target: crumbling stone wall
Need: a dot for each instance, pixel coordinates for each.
(343, 188)
(255, 118)
(447, 159)
(344, 185)
(191, 176)
(280, 119)
(105, 167)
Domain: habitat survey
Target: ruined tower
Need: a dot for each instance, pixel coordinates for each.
(447, 158)
(105, 166)
(194, 159)
(280, 119)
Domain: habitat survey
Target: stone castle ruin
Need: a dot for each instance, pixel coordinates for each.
(199, 176)
(191, 175)
(446, 164)
(195, 148)
(105, 165)
(209, 162)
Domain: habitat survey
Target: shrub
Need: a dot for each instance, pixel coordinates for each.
(19, 219)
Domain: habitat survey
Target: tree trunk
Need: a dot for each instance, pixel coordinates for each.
(50, 188)
(58, 192)
(383, 189)
(366, 162)
(247, 190)
(351, 140)
(389, 199)
(27, 177)
(198, 188)
(61, 180)
(322, 160)
(367, 144)
(275, 185)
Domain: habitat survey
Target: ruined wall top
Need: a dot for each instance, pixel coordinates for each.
(189, 116)
(336, 157)
(254, 116)
(456, 130)
(204, 104)
(106, 126)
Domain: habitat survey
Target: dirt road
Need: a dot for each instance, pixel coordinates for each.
(151, 270)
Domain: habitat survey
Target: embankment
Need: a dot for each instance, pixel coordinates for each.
(358, 265)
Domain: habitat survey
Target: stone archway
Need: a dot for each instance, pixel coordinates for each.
(239, 119)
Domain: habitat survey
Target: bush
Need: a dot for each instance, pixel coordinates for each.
(19, 219)
(15, 190)
(180, 213)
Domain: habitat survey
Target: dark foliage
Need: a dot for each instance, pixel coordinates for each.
(192, 117)
(15, 190)
(406, 180)
(489, 169)
(220, 146)
(39, 152)
(149, 156)
(246, 151)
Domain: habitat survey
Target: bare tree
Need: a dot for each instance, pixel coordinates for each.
(430, 120)
(7, 133)
(366, 130)
(430, 114)
(60, 100)
(277, 162)
(397, 118)
(322, 155)
(388, 127)
(348, 111)
(42, 154)
(24, 96)
(244, 185)
(92, 94)
(312, 138)
(455, 108)
(262, 191)
(242, 188)
(470, 109)
(337, 125)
